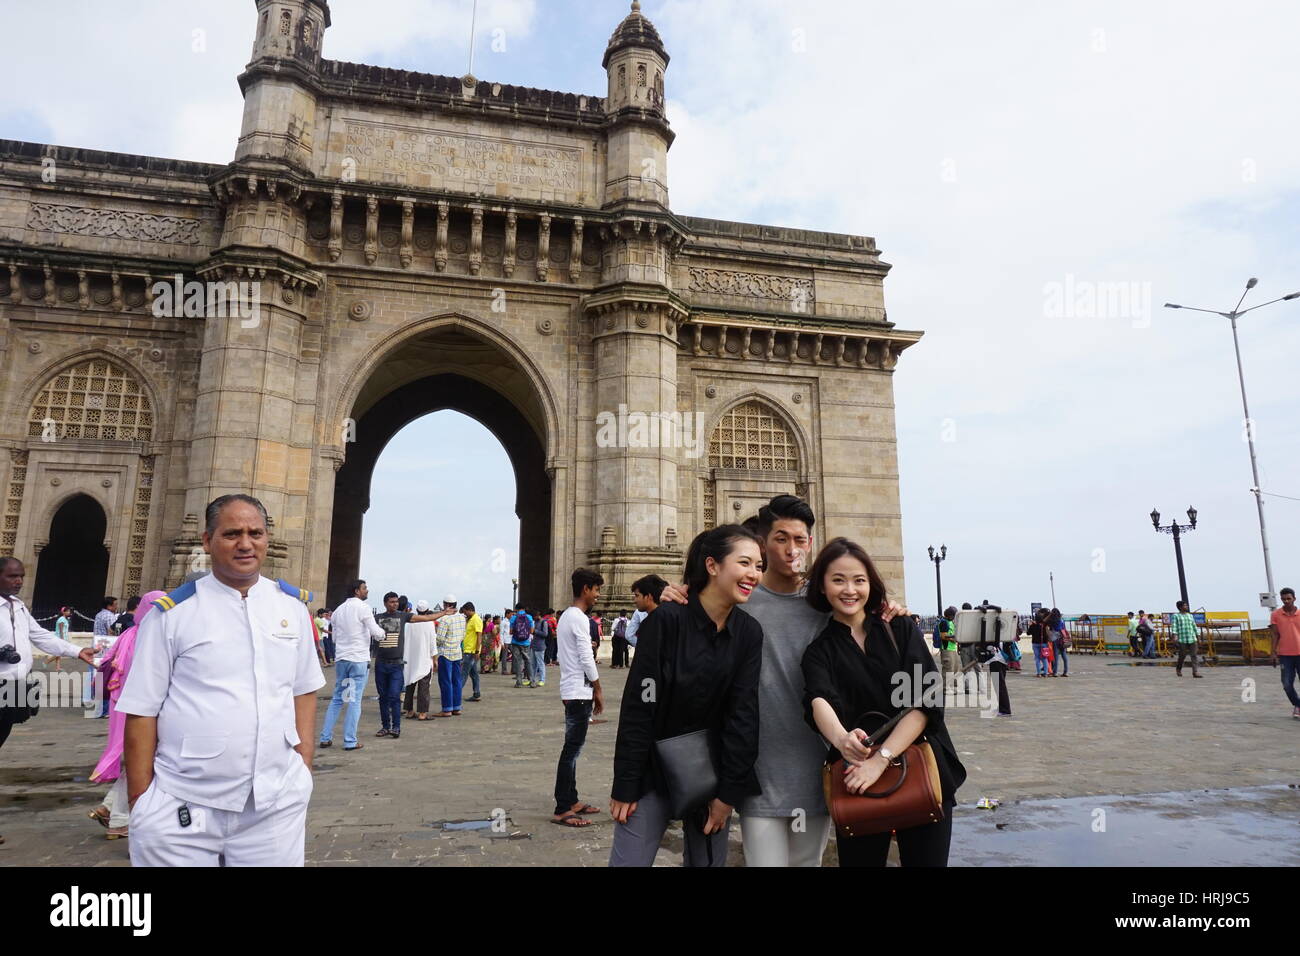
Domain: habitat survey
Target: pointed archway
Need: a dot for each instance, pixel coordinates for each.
(447, 366)
(73, 567)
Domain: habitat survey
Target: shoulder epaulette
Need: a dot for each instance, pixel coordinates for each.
(295, 592)
(169, 601)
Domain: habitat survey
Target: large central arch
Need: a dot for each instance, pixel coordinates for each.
(449, 362)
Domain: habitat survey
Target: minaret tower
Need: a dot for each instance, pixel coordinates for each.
(634, 314)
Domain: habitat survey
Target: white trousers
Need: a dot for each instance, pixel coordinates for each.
(776, 841)
(115, 801)
(271, 837)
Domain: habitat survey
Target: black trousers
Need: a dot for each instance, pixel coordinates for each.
(418, 694)
(6, 725)
(999, 671)
(920, 846)
(619, 653)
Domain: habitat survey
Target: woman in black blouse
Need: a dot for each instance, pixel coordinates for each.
(850, 669)
(696, 668)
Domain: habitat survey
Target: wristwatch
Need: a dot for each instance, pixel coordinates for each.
(887, 754)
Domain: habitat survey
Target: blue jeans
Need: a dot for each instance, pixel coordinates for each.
(538, 650)
(390, 676)
(1059, 647)
(1150, 649)
(1290, 671)
(349, 683)
(469, 666)
(1040, 659)
(577, 718)
(449, 684)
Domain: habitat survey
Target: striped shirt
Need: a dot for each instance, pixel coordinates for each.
(1184, 628)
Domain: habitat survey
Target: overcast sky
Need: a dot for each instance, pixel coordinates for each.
(1012, 160)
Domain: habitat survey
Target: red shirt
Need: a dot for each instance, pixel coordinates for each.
(1288, 630)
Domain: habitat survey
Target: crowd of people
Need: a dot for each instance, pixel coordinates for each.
(772, 673)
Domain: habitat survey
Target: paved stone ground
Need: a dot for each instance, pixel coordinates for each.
(1110, 728)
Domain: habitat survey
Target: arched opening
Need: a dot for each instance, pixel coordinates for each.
(73, 567)
(441, 518)
(446, 368)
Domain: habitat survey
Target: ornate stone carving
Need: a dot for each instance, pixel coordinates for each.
(336, 226)
(753, 285)
(545, 326)
(113, 223)
(360, 310)
(508, 263)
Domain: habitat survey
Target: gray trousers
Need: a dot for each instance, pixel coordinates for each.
(637, 841)
(1188, 650)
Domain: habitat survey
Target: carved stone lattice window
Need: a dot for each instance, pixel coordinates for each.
(14, 501)
(286, 23)
(93, 400)
(140, 525)
(622, 79)
(752, 435)
(640, 74)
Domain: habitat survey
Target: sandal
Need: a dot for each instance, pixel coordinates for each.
(423, 717)
(100, 818)
(571, 820)
(586, 809)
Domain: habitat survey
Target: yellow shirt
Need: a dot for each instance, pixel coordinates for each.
(473, 634)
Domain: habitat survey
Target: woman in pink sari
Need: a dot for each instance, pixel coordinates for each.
(114, 812)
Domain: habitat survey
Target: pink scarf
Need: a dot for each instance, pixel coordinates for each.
(116, 665)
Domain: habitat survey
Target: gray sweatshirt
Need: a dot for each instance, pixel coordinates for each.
(790, 754)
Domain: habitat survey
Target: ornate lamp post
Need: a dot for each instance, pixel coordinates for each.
(1176, 530)
(937, 557)
(514, 593)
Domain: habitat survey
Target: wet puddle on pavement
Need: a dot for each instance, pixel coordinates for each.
(1254, 826)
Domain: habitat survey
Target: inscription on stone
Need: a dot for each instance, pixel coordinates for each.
(413, 156)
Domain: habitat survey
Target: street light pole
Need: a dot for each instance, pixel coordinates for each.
(1271, 599)
(1177, 530)
(1052, 580)
(937, 557)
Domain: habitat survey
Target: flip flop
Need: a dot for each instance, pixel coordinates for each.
(100, 818)
(586, 809)
(571, 820)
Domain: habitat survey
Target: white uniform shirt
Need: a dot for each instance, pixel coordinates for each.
(220, 673)
(19, 628)
(353, 627)
(573, 648)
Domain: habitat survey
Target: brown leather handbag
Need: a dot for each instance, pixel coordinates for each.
(908, 794)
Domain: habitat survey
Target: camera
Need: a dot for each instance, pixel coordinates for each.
(9, 656)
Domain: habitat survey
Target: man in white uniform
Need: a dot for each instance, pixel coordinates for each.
(19, 633)
(221, 707)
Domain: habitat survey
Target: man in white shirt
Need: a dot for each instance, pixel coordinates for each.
(19, 633)
(581, 694)
(221, 707)
(353, 627)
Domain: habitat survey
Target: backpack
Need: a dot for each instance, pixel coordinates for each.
(542, 629)
(620, 627)
(520, 632)
(937, 638)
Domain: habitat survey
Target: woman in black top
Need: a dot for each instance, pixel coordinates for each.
(849, 669)
(696, 668)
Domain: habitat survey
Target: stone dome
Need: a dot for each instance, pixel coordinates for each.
(635, 31)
